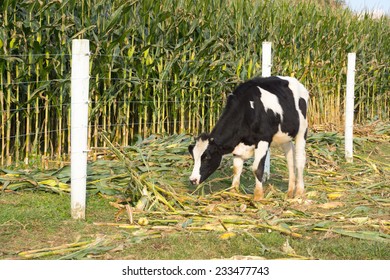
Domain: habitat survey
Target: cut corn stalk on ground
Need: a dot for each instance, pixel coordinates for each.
(147, 183)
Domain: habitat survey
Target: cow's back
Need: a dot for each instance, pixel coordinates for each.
(272, 105)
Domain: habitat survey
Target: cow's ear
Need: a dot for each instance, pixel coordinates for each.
(203, 137)
(213, 141)
(231, 97)
(191, 149)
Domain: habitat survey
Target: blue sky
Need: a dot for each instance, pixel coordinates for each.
(360, 5)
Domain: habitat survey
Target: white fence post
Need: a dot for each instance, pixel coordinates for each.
(349, 107)
(266, 65)
(79, 126)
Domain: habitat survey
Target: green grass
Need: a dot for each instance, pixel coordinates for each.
(33, 220)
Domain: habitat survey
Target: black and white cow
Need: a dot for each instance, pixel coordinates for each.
(259, 112)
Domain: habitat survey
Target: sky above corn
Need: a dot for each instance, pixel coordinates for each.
(377, 6)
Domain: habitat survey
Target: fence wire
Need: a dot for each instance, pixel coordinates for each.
(35, 113)
(35, 104)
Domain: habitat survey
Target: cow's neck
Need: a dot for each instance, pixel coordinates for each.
(228, 132)
(226, 138)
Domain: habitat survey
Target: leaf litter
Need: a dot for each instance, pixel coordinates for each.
(148, 184)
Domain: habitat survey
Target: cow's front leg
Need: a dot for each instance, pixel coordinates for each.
(258, 168)
(238, 164)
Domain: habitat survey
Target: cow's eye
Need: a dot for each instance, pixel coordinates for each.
(206, 157)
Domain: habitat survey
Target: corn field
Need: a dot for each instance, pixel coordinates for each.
(166, 67)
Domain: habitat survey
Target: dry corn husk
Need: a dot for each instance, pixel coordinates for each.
(148, 185)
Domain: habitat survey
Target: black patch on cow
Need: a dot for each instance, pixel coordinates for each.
(191, 150)
(302, 106)
(267, 122)
(203, 137)
(240, 122)
(210, 161)
(260, 168)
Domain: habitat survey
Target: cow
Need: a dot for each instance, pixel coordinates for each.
(259, 112)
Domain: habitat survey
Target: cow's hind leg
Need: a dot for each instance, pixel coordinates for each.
(258, 168)
(288, 149)
(238, 164)
(300, 160)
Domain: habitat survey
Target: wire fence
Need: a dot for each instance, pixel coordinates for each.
(126, 103)
(35, 113)
(167, 67)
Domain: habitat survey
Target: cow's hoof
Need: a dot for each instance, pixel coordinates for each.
(258, 193)
(299, 193)
(290, 194)
(258, 196)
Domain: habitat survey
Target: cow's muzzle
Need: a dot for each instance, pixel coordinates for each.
(194, 181)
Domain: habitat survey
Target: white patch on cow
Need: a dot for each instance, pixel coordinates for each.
(198, 151)
(298, 90)
(280, 137)
(252, 103)
(270, 102)
(260, 152)
(243, 151)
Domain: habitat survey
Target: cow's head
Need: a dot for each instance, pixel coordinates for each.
(207, 157)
